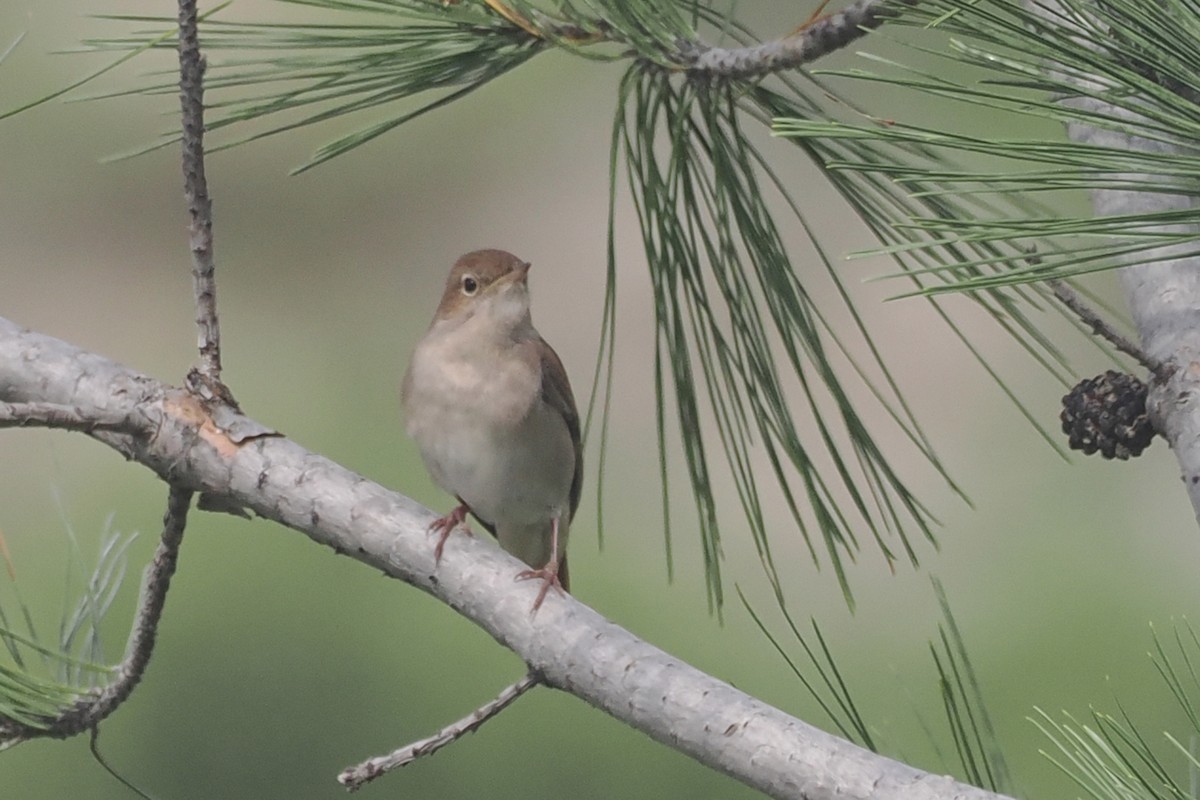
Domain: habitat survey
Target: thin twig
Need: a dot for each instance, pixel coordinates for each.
(195, 187)
(89, 710)
(51, 415)
(816, 37)
(1101, 327)
(94, 746)
(357, 776)
(812, 41)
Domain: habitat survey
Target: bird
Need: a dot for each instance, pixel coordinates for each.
(490, 407)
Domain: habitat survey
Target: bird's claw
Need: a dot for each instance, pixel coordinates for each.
(549, 577)
(444, 526)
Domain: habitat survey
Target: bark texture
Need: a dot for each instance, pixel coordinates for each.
(567, 644)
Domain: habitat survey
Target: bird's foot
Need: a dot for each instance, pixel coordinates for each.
(549, 577)
(443, 526)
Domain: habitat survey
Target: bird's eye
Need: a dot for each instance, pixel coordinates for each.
(469, 285)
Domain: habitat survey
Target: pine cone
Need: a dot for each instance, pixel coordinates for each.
(1108, 414)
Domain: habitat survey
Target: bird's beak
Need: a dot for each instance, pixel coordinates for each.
(518, 277)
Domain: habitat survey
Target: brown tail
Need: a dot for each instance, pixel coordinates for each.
(562, 573)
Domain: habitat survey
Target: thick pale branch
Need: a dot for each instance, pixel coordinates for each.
(53, 415)
(1164, 299)
(567, 644)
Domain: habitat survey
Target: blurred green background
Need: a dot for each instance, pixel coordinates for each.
(278, 663)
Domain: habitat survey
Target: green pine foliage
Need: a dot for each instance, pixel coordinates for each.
(41, 677)
(750, 369)
(741, 339)
(1121, 66)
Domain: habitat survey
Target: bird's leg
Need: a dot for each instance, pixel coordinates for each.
(442, 526)
(549, 573)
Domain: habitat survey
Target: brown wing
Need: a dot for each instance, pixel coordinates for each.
(556, 391)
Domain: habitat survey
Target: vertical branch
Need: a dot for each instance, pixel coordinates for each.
(195, 188)
(155, 584)
(1163, 296)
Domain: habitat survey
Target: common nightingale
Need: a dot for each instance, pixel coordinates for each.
(490, 407)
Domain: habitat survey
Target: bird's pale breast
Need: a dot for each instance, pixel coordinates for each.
(485, 433)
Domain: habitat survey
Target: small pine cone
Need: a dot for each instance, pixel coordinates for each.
(1107, 414)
